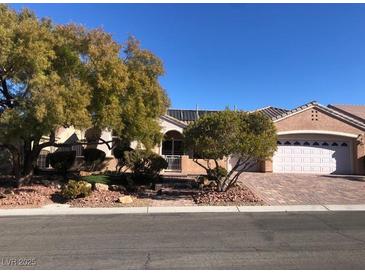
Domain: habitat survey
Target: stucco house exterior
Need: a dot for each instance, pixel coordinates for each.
(312, 138)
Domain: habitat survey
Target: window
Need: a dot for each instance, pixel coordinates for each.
(287, 143)
(297, 143)
(325, 144)
(315, 144)
(334, 144)
(278, 143)
(344, 145)
(306, 144)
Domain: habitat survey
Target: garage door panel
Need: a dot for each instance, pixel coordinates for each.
(311, 156)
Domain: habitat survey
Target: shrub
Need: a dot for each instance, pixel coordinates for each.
(145, 162)
(62, 160)
(93, 156)
(119, 153)
(217, 173)
(76, 189)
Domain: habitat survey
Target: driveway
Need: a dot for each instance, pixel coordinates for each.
(298, 189)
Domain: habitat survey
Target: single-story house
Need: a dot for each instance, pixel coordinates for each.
(312, 138)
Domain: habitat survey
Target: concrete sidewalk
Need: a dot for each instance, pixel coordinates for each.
(65, 210)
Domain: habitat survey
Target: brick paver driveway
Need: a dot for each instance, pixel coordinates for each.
(299, 189)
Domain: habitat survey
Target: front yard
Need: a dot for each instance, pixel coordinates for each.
(108, 191)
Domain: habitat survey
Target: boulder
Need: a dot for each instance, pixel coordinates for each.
(127, 199)
(117, 188)
(88, 185)
(101, 187)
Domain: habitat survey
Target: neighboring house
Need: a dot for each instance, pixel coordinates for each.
(312, 138)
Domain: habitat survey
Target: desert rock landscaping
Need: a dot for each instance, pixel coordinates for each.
(44, 191)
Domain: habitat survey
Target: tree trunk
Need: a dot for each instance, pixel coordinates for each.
(29, 160)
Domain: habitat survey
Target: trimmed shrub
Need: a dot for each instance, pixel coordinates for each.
(119, 153)
(93, 156)
(76, 189)
(62, 161)
(144, 162)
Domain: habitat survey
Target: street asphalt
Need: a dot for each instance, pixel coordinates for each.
(306, 240)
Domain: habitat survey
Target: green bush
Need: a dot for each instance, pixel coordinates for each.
(93, 156)
(62, 161)
(76, 189)
(144, 162)
(216, 173)
(119, 153)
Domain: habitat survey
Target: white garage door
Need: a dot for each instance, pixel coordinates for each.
(303, 156)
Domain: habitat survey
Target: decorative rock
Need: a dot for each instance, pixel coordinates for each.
(125, 199)
(101, 187)
(117, 188)
(85, 173)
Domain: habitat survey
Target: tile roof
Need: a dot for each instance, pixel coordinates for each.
(272, 112)
(352, 114)
(188, 115)
(354, 111)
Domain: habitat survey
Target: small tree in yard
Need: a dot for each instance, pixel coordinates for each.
(54, 76)
(251, 137)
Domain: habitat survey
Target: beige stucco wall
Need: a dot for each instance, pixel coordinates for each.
(317, 120)
(188, 166)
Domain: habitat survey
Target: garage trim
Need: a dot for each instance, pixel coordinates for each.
(322, 132)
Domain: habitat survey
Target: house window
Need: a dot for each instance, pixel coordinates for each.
(334, 144)
(344, 145)
(306, 144)
(278, 143)
(325, 144)
(316, 144)
(297, 143)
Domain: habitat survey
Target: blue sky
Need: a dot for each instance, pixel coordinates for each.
(248, 55)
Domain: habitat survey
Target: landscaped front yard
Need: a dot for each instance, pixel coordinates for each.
(108, 191)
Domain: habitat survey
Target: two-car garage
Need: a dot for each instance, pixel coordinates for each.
(320, 156)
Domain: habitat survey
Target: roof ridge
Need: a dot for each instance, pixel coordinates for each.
(352, 105)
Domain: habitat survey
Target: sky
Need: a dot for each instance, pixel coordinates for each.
(246, 56)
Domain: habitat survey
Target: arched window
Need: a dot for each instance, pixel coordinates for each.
(325, 144)
(306, 143)
(315, 144)
(334, 144)
(297, 143)
(344, 145)
(278, 143)
(287, 143)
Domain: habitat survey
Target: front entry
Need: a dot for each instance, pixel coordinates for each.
(172, 149)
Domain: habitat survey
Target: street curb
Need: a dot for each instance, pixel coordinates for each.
(66, 210)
